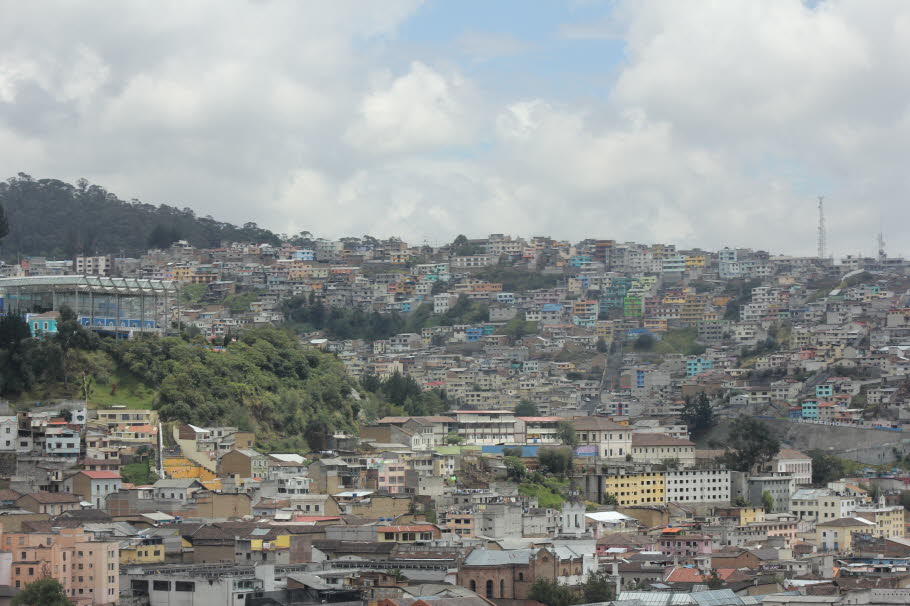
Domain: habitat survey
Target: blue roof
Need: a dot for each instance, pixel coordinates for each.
(552, 307)
(526, 451)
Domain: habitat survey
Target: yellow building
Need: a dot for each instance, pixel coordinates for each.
(143, 551)
(837, 535)
(888, 521)
(637, 489)
(696, 261)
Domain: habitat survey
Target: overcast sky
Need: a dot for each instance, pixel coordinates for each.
(696, 123)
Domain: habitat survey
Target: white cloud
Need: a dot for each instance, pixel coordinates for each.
(421, 110)
(726, 118)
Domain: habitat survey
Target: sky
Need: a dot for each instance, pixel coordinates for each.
(702, 124)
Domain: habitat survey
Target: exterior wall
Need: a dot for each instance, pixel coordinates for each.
(698, 486)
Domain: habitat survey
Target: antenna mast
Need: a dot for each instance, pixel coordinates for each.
(821, 227)
(881, 245)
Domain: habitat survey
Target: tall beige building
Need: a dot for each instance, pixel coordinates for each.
(89, 570)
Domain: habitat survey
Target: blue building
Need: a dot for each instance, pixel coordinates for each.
(41, 325)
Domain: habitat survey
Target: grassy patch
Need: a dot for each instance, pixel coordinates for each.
(140, 474)
(123, 389)
(680, 341)
(548, 494)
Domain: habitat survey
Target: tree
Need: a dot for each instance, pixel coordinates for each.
(515, 469)
(566, 433)
(43, 592)
(767, 501)
(526, 408)
(4, 223)
(601, 345)
(644, 342)
(598, 587)
(825, 468)
(454, 439)
(698, 414)
(714, 581)
(750, 444)
(610, 499)
(551, 593)
(557, 461)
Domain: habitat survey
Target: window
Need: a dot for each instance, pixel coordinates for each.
(489, 588)
(161, 585)
(184, 586)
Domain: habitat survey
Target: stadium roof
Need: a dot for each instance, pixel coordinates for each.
(90, 284)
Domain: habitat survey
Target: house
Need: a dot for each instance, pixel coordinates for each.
(658, 448)
(43, 325)
(244, 463)
(176, 490)
(51, 503)
(613, 441)
(94, 486)
(837, 535)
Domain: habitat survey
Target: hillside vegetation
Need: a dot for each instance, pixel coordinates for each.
(48, 217)
(292, 397)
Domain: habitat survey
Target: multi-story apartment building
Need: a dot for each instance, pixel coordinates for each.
(687, 486)
(88, 569)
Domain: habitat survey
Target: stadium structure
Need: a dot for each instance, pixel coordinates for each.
(116, 305)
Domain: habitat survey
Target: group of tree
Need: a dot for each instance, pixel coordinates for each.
(48, 217)
(263, 381)
(68, 360)
(309, 313)
(749, 445)
(597, 587)
(402, 395)
(698, 414)
(826, 468)
(556, 461)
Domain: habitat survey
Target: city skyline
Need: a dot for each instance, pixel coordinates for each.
(648, 122)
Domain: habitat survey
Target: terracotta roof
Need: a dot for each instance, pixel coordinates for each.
(102, 475)
(693, 575)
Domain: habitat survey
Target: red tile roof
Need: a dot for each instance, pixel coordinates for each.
(102, 475)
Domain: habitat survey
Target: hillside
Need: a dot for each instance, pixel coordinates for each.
(292, 397)
(48, 217)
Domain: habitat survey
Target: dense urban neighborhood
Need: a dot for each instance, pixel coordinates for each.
(498, 421)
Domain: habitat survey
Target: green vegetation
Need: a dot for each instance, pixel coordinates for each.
(240, 302)
(698, 414)
(597, 587)
(46, 591)
(826, 468)
(750, 443)
(566, 434)
(265, 382)
(526, 408)
(140, 474)
(192, 293)
(557, 461)
(123, 389)
(548, 491)
(518, 327)
(309, 314)
(517, 280)
(680, 341)
(48, 217)
(400, 395)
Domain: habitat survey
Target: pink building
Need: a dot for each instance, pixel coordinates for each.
(684, 545)
(391, 476)
(89, 570)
